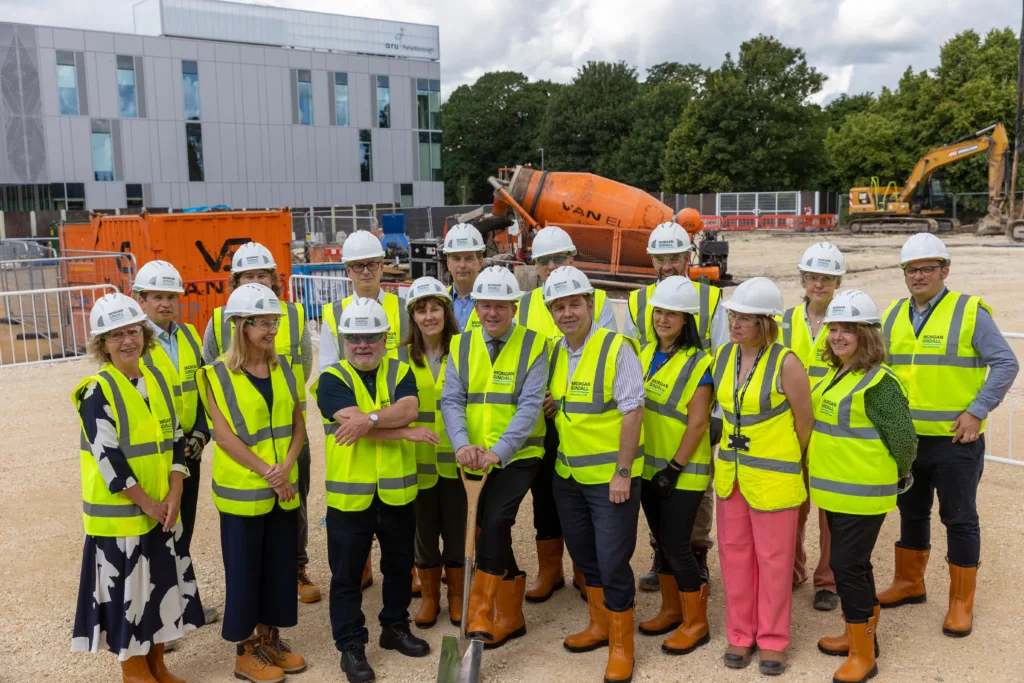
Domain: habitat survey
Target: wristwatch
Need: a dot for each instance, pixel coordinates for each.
(623, 472)
(374, 417)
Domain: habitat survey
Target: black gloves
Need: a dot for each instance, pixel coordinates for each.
(665, 480)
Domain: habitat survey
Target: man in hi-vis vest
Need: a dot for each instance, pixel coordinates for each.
(942, 344)
(464, 249)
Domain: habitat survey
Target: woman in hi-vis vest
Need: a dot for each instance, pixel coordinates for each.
(137, 589)
(859, 458)
(250, 393)
(767, 419)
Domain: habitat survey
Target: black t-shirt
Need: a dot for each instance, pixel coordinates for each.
(265, 386)
(334, 395)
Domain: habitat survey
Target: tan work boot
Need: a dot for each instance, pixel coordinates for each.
(694, 631)
(417, 584)
(509, 622)
(595, 635)
(454, 576)
(155, 661)
(430, 597)
(367, 580)
(281, 653)
(907, 587)
(960, 617)
(550, 576)
(671, 613)
(308, 591)
(839, 646)
(136, 670)
(482, 606)
(860, 664)
(253, 663)
(620, 646)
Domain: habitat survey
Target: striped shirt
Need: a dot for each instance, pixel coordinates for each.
(628, 385)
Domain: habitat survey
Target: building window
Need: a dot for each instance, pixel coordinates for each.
(365, 156)
(305, 85)
(428, 104)
(430, 156)
(133, 193)
(194, 149)
(126, 92)
(340, 99)
(102, 151)
(405, 190)
(383, 101)
(190, 86)
(67, 83)
(68, 197)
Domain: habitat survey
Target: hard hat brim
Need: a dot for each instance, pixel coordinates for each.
(749, 310)
(581, 292)
(820, 271)
(434, 295)
(171, 290)
(364, 257)
(551, 252)
(928, 257)
(656, 251)
(874, 322)
(692, 310)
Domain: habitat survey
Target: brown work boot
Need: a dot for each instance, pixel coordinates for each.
(595, 635)
(136, 670)
(482, 606)
(550, 576)
(694, 631)
(579, 582)
(430, 597)
(620, 646)
(839, 646)
(907, 586)
(281, 653)
(671, 613)
(454, 576)
(253, 663)
(417, 584)
(773, 663)
(509, 622)
(155, 661)
(367, 580)
(308, 591)
(860, 664)
(960, 617)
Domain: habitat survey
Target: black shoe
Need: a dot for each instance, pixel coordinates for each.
(701, 555)
(772, 667)
(825, 601)
(649, 581)
(355, 666)
(397, 636)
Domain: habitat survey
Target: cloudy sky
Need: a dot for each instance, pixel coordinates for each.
(861, 45)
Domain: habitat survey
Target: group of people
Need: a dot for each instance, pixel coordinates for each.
(830, 402)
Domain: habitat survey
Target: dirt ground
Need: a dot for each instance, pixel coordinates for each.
(41, 544)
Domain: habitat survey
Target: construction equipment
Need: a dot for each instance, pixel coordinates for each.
(920, 205)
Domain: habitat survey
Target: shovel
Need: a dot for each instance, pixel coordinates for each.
(460, 656)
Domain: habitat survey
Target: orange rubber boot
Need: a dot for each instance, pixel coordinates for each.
(907, 587)
(960, 617)
(860, 663)
(509, 622)
(136, 670)
(454, 577)
(670, 615)
(430, 597)
(155, 661)
(482, 606)
(839, 646)
(694, 631)
(550, 576)
(620, 647)
(595, 635)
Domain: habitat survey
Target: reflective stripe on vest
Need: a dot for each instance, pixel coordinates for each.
(429, 391)
(534, 313)
(643, 319)
(472, 322)
(809, 351)
(293, 320)
(394, 309)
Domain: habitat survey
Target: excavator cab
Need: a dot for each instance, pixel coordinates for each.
(934, 198)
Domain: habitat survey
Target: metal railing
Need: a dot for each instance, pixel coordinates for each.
(71, 269)
(999, 436)
(46, 325)
(315, 291)
(18, 249)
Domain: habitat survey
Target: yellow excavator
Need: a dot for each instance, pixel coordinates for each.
(921, 205)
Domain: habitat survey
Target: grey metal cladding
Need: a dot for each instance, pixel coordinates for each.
(82, 83)
(115, 139)
(294, 84)
(332, 114)
(140, 86)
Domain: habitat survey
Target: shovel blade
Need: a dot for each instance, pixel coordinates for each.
(460, 660)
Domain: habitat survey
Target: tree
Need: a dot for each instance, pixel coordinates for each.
(692, 75)
(844, 106)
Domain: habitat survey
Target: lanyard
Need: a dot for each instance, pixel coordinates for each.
(653, 369)
(741, 392)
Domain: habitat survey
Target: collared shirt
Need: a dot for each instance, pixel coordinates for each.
(168, 340)
(462, 307)
(528, 410)
(628, 385)
(919, 317)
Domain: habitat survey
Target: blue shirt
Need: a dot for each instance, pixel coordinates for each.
(919, 318)
(462, 307)
(168, 340)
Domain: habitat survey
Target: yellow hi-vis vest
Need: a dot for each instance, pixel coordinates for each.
(769, 474)
(183, 377)
(473, 321)
(939, 368)
(669, 392)
(588, 420)
(642, 313)
(398, 320)
(431, 461)
(494, 390)
(849, 468)
(534, 314)
(287, 342)
(145, 434)
(369, 467)
(796, 336)
(237, 490)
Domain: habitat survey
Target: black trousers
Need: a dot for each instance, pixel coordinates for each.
(504, 491)
(441, 512)
(545, 512)
(601, 536)
(671, 521)
(853, 539)
(189, 502)
(302, 558)
(953, 472)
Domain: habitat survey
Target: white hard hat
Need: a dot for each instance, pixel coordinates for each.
(852, 306)
(824, 258)
(552, 240)
(496, 283)
(424, 287)
(566, 281)
(668, 238)
(361, 245)
(252, 299)
(158, 276)
(756, 296)
(112, 311)
(363, 316)
(463, 237)
(252, 256)
(923, 245)
(676, 293)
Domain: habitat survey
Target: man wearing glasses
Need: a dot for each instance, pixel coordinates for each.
(941, 343)
(464, 254)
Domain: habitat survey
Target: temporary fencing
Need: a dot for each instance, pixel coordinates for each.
(72, 269)
(804, 223)
(999, 431)
(18, 249)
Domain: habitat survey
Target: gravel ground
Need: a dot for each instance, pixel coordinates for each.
(41, 546)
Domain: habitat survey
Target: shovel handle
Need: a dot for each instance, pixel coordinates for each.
(474, 487)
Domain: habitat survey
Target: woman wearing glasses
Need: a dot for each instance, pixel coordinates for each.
(252, 397)
(767, 419)
(137, 589)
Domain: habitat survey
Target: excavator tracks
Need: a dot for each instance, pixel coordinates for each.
(895, 225)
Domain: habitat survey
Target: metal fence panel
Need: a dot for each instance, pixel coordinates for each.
(999, 431)
(46, 325)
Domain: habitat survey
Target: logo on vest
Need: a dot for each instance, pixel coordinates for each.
(658, 386)
(933, 341)
(165, 425)
(190, 372)
(503, 378)
(828, 407)
(580, 388)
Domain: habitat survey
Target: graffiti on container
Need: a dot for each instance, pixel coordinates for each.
(592, 215)
(227, 250)
(189, 311)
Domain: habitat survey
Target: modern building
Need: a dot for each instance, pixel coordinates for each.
(215, 102)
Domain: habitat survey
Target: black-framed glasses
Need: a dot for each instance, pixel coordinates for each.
(924, 270)
(360, 268)
(357, 339)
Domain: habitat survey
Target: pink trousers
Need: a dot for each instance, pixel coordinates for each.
(823, 577)
(756, 552)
